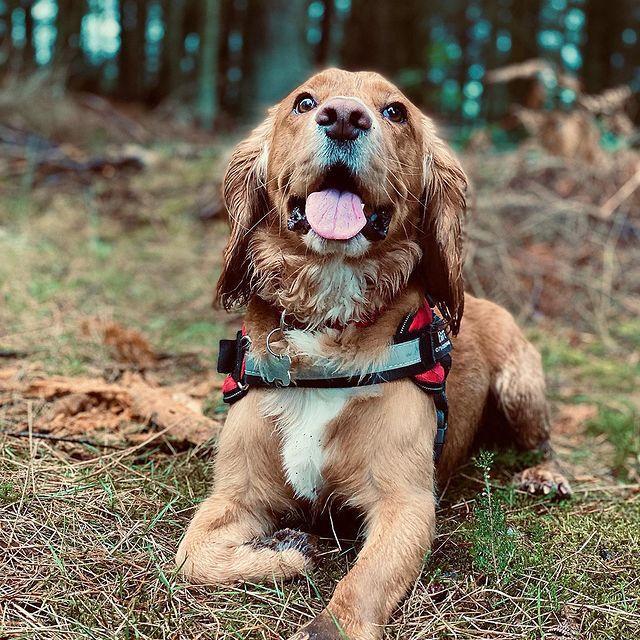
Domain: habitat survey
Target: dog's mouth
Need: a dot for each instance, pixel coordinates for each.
(336, 210)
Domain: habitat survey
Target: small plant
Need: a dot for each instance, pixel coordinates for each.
(493, 542)
(8, 492)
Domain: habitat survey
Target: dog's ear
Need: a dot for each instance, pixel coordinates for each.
(444, 205)
(245, 197)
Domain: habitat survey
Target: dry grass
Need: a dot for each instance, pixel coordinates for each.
(89, 533)
(89, 550)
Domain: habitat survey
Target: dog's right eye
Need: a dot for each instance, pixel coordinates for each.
(304, 102)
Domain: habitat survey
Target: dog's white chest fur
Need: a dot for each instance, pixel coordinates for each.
(301, 416)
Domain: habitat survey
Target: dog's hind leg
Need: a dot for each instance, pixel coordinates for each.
(519, 389)
(232, 536)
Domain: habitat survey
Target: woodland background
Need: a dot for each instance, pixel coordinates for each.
(229, 58)
(116, 121)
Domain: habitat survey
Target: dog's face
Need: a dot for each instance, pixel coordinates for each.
(345, 168)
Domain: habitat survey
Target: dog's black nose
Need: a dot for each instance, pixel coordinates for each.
(343, 118)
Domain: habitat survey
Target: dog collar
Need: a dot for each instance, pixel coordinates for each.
(420, 350)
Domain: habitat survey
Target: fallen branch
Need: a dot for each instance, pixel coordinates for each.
(624, 192)
(23, 151)
(48, 436)
(13, 353)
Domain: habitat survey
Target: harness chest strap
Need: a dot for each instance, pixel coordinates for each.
(420, 351)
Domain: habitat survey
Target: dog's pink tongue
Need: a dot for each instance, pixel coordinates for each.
(335, 215)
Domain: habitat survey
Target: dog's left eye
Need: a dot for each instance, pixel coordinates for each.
(396, 112)
(304, 103)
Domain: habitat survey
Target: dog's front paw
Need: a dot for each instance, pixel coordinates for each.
(542, 480)
(290, 539)
(325, 626)
(322, 627)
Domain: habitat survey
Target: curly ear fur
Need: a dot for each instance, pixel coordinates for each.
(244, 194)
(444, 207)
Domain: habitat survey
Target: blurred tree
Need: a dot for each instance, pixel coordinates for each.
(229, 54)
(324, 50)
(131, 56)
(277, 55)
(525, 27)
(605, 63)
(462, 29)
(5, 36)
(392, 38)
(236, 56)
(172, 46)
(387, 36)
(67, 52)
(29, 51)
(495, 96)
(208, 94)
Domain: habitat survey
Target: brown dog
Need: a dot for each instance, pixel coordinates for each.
(346, 209)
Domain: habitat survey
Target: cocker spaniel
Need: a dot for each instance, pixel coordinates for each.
(346, 247)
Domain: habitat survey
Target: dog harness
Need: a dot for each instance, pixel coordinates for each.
(420, 350)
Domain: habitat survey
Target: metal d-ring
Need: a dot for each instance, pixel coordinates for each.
(280, 328)
(269, 349)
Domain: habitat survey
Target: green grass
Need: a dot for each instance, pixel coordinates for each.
(621, 427)
(71, 257)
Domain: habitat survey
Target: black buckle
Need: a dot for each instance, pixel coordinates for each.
(231, 356)
(228, 355)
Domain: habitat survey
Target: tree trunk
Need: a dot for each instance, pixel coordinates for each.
(278, 55)
(324, 52)
(67, 53)
(6, 45)
(131, 58)
(604, 25)
(172, 46)
(524, 45)
(29, 51)
(388, 37)
(207, 83)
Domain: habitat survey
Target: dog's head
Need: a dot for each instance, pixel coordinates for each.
(345, 168)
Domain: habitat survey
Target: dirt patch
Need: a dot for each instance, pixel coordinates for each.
(572, 419)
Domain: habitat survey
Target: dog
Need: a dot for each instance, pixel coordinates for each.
(346, 213)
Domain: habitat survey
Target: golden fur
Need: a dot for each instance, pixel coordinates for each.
(377, 452)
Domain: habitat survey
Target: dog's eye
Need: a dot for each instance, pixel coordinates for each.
(304, 102)
(395, 112)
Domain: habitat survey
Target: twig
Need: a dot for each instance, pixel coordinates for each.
(624, 192)
(48, 436)
(13, 353)
(31, 449)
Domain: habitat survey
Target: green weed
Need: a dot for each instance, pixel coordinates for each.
(493, 541)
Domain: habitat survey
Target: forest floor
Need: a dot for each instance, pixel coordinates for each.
(90, 527)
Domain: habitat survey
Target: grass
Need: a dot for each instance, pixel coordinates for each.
(621, 428)
(89, 535)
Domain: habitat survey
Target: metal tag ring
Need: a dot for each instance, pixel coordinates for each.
(269, 349)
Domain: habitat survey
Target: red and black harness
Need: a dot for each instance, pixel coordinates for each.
(421, 350)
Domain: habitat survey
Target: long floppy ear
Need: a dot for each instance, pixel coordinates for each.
(244, 194)
(444, 207)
